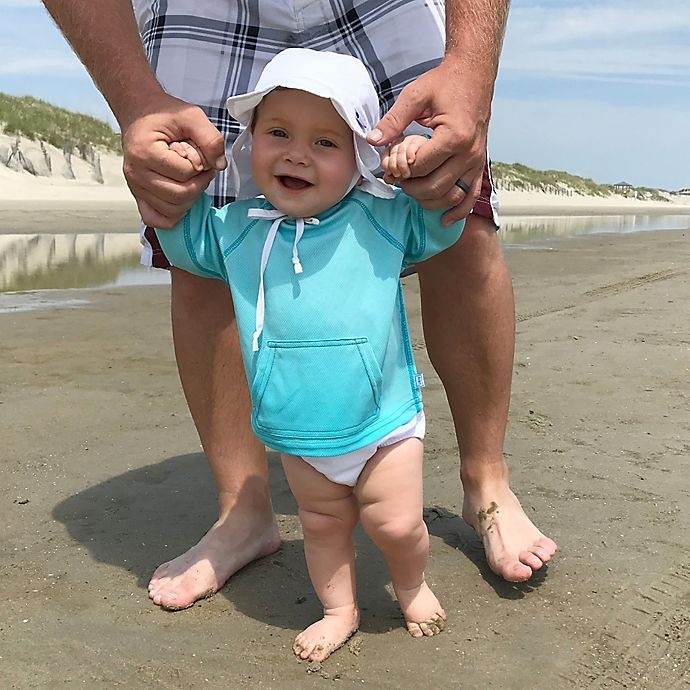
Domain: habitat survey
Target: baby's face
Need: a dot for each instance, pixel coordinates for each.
(303, 157)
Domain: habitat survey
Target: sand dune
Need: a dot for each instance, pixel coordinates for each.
(72, 178)
(36, 171)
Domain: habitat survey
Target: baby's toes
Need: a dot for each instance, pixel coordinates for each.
(433, 626)
(415, 630)
(427, 628)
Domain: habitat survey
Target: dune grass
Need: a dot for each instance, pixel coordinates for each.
(40, 121)
(515, 176)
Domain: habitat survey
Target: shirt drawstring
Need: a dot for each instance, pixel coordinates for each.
(277, 217)
(299, 231)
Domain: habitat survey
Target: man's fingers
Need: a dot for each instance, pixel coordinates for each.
(180, 167)
(158, 159)
(438, 191)
(464, 208)
(167, 197)
(171, 191)
(456, 214)
(438, 185)
(459, 212)
(150, 216)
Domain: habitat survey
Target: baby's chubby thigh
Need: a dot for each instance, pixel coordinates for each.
(325, 507)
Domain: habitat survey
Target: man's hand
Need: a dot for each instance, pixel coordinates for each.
(458, 113)
(164, 183)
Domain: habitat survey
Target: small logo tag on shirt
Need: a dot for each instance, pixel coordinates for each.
(419, 380)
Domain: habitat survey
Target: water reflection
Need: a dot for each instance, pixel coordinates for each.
(43, 261)
(521, 230)
(47, 261)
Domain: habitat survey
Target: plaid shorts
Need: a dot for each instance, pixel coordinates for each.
(204, 51)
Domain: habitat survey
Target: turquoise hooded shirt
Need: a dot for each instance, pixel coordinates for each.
(334, 369)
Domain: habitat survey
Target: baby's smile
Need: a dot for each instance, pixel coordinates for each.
(294, 183)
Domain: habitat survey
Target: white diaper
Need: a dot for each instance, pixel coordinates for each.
(345, 469)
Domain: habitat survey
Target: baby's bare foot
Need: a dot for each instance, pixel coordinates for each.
(423, 613)
(322, 638)
(514, 547)
(202, 570)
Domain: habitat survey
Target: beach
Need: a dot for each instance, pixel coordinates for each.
(102, 478)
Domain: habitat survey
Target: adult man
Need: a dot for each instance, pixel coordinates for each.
(204, 51)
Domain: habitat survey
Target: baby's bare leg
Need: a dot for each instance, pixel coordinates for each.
(389, 492)
(328, 513)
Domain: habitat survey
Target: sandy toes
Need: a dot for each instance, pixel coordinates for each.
(322, 638)
(203, 570)
(423, 613)
(514, 547)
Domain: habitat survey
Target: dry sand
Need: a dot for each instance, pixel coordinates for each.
(102, 479)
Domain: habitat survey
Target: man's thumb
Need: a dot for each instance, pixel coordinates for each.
(209, 141)
(402, 113)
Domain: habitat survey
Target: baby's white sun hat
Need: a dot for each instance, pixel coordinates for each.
(342, 79)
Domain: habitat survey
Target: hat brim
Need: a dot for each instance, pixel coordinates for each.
(242, 107)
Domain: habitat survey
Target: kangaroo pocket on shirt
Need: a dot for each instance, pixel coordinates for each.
(316, 389)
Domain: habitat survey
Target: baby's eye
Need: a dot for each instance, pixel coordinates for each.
(278, 133)
(325, 142)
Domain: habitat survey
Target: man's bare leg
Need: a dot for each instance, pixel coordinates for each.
(213, 379)
(469, 325)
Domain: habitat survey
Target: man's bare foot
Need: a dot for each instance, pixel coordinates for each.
(202, 570)
(514, 547)
(423, 613)
(322, 638)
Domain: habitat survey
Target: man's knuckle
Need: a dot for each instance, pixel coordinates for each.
(177, 196)
(437, 189)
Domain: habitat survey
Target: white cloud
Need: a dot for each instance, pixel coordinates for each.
(613, 19)
(31, 44)
(48, 64)
(607, 38)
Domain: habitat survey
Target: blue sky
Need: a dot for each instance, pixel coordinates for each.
(597, 88)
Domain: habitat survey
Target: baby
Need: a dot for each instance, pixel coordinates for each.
(312, 252)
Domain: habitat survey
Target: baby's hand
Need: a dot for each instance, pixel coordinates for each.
(188, 150)
(398, 158)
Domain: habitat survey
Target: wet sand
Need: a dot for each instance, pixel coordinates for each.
(102, 479)
(47, 216)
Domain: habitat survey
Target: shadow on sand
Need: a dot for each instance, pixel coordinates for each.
(144, 517)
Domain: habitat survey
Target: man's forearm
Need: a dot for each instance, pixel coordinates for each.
(105, 37)
(474, 37)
